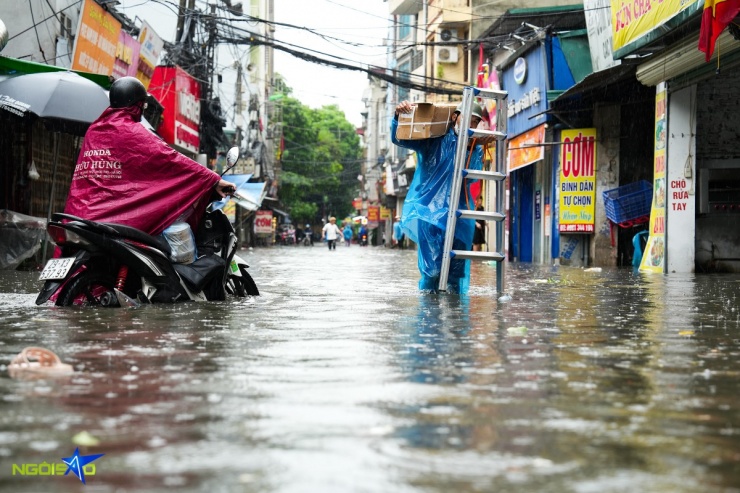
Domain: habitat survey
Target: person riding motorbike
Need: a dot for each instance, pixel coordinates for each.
(126, 175)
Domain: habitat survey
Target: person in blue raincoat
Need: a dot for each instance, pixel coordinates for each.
(424, 216)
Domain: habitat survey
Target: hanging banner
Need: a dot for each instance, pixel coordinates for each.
(96, 40)
(653, 259)
(577, 187)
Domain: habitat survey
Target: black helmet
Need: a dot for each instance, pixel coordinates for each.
(126, 91)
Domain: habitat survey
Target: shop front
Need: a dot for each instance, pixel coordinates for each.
(529, 164)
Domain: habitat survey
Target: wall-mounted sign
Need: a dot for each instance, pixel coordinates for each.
(526, 104)
(151, 48)
(577, 190)
(96, 40)
(179, 93)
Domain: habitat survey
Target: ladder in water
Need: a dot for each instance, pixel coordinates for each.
(460, 173)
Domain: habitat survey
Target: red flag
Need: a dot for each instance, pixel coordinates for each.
(481, 73)
(717, 15)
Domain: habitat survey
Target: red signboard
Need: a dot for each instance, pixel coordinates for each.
(179, 93)
(373, 213)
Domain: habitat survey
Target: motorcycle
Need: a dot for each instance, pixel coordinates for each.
(307, 239)
(112, 265)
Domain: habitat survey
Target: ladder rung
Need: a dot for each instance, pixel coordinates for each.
(483, 175)
(484, 215)
(490, 93)
(479, 132)
(463, 254)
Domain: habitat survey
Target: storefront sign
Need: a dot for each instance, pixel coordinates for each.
(577, 185)
(179, 93)
(635, 19)
(263, 222)
(653, 258)
(96, 40)
(151, 48)
(526, 84)
(599, 25)
(127, 56)
(385, 213)
(526, 148)
(373, 214)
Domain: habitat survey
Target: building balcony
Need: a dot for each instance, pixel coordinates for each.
(450, 11)
(405, 7)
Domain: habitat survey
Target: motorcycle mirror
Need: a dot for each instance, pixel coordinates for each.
(232, 156)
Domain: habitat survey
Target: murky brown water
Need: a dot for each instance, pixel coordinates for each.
(342, 377)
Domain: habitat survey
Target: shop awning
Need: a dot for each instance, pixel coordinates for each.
(279, 212)
(598, 82)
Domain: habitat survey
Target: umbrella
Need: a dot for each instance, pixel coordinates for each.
(65, 101)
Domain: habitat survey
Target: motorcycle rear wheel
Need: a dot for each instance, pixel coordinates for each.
(89, 289)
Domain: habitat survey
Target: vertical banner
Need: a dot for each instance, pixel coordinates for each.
(127, 56)
(653, 259)
(151, 48)
(96, 41)
(577, 206)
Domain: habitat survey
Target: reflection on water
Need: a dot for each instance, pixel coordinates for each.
(343, 377)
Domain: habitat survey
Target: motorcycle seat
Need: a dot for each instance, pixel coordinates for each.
(157, 242)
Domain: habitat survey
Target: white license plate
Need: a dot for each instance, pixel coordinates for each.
(57, 268)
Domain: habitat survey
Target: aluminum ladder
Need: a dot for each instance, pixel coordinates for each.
(460, 173)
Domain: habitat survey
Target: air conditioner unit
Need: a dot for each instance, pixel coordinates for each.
(446, 53)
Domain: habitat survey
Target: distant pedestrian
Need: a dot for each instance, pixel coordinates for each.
(347, 232)
(398, 235)
(331, 233)
(479, 236)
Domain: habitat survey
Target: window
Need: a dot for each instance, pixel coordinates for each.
(405, 24)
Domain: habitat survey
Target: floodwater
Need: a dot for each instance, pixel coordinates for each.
(342, 377)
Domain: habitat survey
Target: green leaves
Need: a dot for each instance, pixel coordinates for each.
(322, 157)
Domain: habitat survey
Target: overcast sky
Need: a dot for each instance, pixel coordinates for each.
(359, 27)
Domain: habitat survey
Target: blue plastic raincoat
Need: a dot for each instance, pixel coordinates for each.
(424, 217)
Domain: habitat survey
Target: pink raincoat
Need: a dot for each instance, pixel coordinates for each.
(127, 175)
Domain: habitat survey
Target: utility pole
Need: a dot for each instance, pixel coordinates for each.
(239, 105)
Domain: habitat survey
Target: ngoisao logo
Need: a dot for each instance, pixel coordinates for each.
(79, 465)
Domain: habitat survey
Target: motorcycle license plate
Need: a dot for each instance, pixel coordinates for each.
(56, 268)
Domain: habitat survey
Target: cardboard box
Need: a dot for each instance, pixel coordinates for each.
(426, 120)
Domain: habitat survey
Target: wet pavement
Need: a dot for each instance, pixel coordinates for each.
(342, 377)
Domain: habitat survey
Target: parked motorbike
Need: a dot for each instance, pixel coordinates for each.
(111, 264)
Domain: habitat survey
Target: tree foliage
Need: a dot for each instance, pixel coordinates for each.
(320, 162)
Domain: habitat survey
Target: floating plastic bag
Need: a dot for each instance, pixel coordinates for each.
(182, 242)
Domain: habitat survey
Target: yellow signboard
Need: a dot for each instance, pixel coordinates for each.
(653, 258)
(577, 191)
(96, 41)
(632, 19)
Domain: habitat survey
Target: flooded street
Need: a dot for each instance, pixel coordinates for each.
(342, 377)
